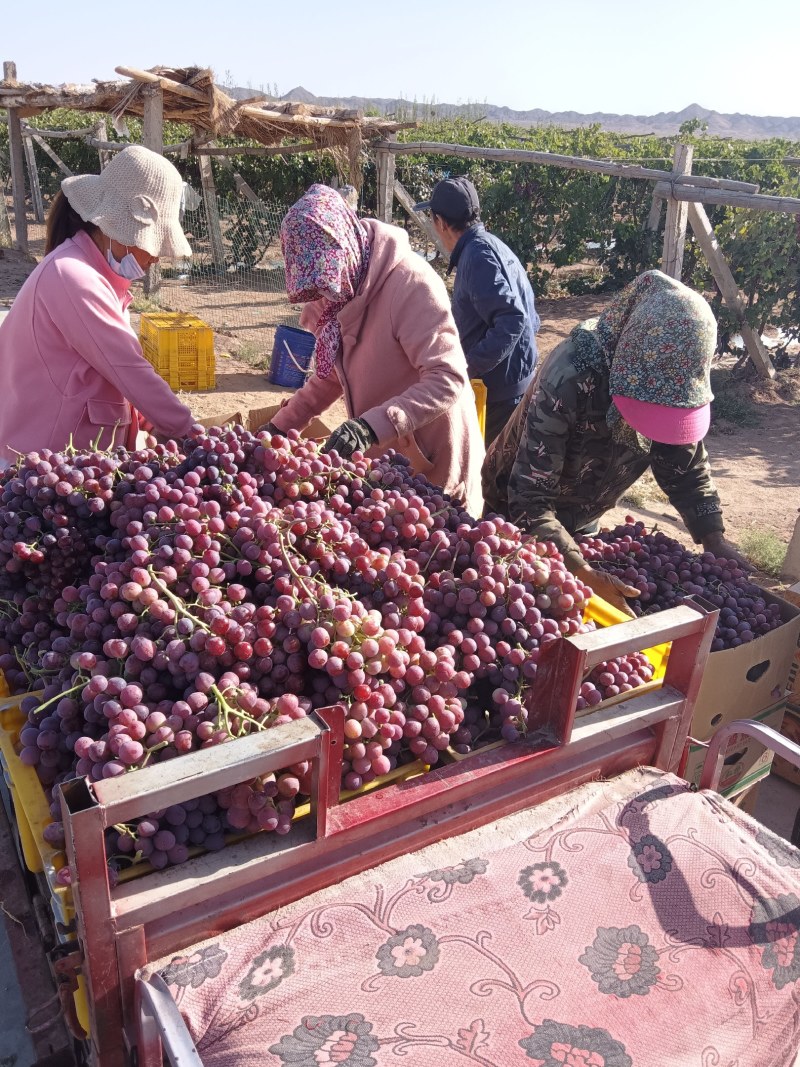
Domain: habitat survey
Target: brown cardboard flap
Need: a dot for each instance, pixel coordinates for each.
(223, 420)
(315, 430)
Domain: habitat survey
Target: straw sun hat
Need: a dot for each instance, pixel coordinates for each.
(135, 201)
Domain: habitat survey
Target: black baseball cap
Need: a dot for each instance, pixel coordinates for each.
(455, 198)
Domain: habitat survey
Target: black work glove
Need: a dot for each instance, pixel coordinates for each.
(355, 435)
(270, 428)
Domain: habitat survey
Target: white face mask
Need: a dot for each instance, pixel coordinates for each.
(128, 267)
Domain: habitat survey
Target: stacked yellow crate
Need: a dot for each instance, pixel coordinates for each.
(180, 348)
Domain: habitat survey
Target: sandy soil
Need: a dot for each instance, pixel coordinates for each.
(757, 469)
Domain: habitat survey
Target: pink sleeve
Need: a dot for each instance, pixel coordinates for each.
(423, 324)
(91, 319)
(314, 397)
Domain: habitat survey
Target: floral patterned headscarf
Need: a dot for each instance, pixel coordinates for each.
(655, 341)
(326, 254)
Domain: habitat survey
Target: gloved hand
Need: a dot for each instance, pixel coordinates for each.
(270, 428)
(608, 587)
(355, 435)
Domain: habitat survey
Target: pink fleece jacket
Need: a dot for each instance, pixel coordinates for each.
(71, 367)
(402, 369)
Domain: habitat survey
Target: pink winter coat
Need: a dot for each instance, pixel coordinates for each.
(402, 369)
(71, 367)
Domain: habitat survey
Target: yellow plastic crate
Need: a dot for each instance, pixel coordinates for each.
(479, 389)
(180, 348)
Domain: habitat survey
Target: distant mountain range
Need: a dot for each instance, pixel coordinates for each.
(664, 124)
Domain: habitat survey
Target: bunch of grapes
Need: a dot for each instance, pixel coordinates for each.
(665, 572)
(167, 600)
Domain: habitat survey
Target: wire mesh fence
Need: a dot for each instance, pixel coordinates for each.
(234, 280)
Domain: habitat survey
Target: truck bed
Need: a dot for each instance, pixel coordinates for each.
(630, 923)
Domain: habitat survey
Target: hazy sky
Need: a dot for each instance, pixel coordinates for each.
(581, 55)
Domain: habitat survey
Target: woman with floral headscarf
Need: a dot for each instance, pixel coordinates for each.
(626, 392)
(385, 341)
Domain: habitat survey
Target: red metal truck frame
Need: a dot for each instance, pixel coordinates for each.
(121, 929)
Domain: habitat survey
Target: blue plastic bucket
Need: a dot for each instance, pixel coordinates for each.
(291, 357)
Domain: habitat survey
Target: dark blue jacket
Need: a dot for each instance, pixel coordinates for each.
(495, 314)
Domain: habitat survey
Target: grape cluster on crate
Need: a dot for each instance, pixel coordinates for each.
(162, 601)
(665, 572)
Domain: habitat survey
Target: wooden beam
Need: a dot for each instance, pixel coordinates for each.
(421, 221)
(153, 138)
(276, 150)
(48, 151)
(788, 205)
(386, 165)
(704, 232)
(677, 215)
(211, 209)
(654, 217)
(33, 180)
(17, 154)
(552, 159)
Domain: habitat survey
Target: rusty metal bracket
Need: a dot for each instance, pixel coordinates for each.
(67, 965)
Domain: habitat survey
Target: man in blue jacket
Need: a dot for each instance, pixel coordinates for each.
(493, 301)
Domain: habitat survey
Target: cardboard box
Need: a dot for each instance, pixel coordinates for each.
(257, 417)
(746, 760)
(739, 683)
(791, 730)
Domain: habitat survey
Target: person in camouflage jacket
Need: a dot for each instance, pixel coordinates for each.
(569, 452)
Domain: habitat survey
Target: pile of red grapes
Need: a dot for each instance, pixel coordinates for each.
(158, 602)
(665, 572)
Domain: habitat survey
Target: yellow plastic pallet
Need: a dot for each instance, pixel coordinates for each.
(180, 348)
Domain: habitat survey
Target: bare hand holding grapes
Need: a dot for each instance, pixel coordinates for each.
(608, 587)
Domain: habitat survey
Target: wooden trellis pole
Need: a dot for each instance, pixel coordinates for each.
(17, 154)
(677, 216)
(153, 137)
(385, 162)
(406, 201)
(33, 180)
(704, 232)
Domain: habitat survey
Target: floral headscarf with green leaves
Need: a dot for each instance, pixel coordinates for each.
(655, 341)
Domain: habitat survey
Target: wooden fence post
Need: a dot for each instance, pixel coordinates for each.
(100, 133)
(153, 137)
(17, 154)
(33, 180)
(385, 162)
(421, 221)
(211, 209)
(48, 151)
(675, 227)
(704, 232)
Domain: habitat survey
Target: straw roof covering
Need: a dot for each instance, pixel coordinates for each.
(190, 96)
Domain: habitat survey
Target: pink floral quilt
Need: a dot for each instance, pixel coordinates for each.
(659, 928)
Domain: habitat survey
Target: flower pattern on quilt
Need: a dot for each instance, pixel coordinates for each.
(344, 1040)
(781, 851)
(775, 927)
(621, 961)
(554, 1044)
(409, 953)
(542, 882)
(462, 872)
(195, 969)
(268, 971)
(650, 859)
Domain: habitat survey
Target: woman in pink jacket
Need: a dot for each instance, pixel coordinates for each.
(71, 367)
(386, 341)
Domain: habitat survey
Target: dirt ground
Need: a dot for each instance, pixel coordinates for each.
(756, 468)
